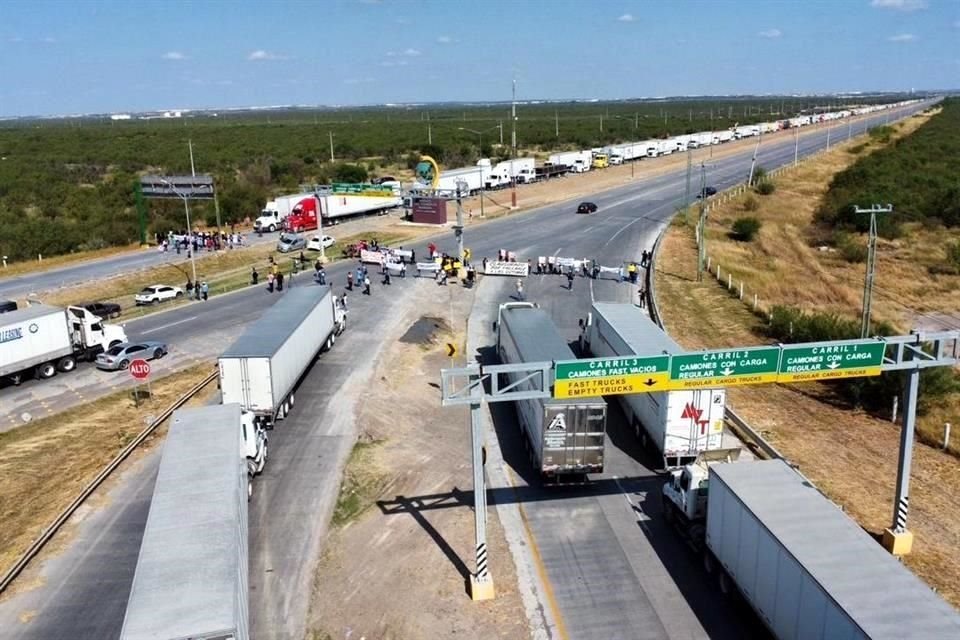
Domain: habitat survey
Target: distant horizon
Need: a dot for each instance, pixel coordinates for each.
(451, 103)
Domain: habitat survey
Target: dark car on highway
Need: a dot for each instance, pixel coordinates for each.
(587, 207)
(103, 309)
(707, 192)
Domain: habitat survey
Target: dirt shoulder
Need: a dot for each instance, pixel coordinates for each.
(400, 568)
(850, 455)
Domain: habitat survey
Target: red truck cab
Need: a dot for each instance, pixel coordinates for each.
(303, 216)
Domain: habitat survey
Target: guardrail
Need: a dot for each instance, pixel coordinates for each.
(61, 519)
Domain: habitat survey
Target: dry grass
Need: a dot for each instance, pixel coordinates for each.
(850, 455)
(45, 464)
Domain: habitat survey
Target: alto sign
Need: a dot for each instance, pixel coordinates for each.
(140, 369)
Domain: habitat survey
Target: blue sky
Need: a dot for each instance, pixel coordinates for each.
(104, 56)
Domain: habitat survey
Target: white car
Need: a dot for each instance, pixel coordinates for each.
(317, 242)
(158, 293)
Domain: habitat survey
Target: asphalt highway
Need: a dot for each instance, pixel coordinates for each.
(81, 593)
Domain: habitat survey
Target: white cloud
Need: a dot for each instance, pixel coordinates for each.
(770, 33)
(627, 17)
(444, 39)
(902, 37)
(48, 40)
(899, 5)
(16, 39)
(393, 63)
(411, 52)
(174, 55)
(260, 54)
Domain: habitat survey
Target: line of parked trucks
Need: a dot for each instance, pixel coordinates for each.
(191, 579)
(763, 530)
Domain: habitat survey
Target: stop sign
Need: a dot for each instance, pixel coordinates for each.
(140, 369)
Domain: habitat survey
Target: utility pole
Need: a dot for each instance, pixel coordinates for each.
(871, 263)
(458, 230)
(828, 138)
(331, 146)
(601, 123)
(513, 145)
(193, 170)
(556, 123)
(702, 225)
(753, 161)
(686, 191)
(429, 130)
(500, 126)
(849, 127)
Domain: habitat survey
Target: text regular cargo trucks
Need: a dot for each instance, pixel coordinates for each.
(332, 207)
(677, 424)
(275, 212)
(565, 437)
(191, 578)
(40, 340)
(261, 368)
(807, 569)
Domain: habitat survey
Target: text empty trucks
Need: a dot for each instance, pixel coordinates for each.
(260, 370)
(191, 577)
(805, 568)
(565, 438)
(678, 424)
(40, 340)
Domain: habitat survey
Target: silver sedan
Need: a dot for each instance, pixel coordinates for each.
(120, 356)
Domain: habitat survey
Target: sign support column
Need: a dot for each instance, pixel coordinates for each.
(481, 583)
(897, 538)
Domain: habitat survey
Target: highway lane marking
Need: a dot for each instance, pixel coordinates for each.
(538, 562)
(168, 325)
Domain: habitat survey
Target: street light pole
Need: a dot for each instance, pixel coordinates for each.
(480, 136)
(186, 208)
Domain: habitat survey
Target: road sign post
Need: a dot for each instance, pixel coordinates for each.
(140, 370)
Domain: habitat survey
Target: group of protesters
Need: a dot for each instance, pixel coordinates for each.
(199, 241)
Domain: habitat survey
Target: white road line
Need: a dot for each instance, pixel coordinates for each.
(557, 252)
(167, 326)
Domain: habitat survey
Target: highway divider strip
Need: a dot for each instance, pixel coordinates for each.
(34, 549)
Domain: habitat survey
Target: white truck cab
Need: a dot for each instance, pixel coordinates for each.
(255, 446)
(686, 493)
(269, 220)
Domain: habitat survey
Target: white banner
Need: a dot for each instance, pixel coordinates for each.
(405, 254)
(610, 270)
(395, 267)
(371, 257)
(428, 266)
(498, 268)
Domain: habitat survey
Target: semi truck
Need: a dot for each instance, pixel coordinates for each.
(275, 212)
(523, 170)
(191, 577)
(549, 170)
(577, 161)
(260, 370)
(678, 425)
(806, 568)
(564, 438)
(600, 161)
(41, 340)
(307, 214)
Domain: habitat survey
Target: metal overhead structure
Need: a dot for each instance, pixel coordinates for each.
(871, 263)
(467, 386)
(476, 384)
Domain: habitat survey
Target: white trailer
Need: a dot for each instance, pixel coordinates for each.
(191, 579)
(463, 182)
(336, 205)
(275, 211)
(615, 154)
(261, 368)
(805, 567)
(40, 340)
(723, 136)
(677, 424)
(564, 158)
(632, 151)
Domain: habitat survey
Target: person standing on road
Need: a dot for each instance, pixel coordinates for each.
(520, 295)
(254, 276)
(403, 269)
(570, 279)
(349, 280)
(643, 297)
(270, 279)
(322, 275)
(204, 290)
(279, 280)
(366, 285)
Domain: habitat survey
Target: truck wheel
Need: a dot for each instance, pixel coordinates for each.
(46, 370)
(249, 487)
(289, 403)
(725, 583)
(67, 363)
(708, 564)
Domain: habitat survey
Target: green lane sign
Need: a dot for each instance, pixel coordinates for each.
(724, 367)
(840, 359)
(610, 376)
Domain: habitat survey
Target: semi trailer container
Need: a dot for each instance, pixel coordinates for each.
(191, 579)
(260, 370)
(678, 425)
(806, 568)
(563, 437)
(41, 340)
(330, 208)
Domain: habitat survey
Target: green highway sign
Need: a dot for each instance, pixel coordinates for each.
(724, 367)
(841, 359)
(610, 376)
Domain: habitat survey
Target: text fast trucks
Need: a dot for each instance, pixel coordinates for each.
(678, 424)
(565, 438)
(40, 340)
(261, 368)
(191, 579)
(805, 567)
